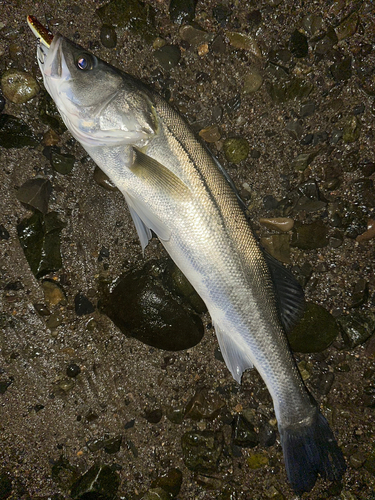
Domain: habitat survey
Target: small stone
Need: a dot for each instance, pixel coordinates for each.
(342, 70)
(36, 193)
(171, 482)
(302, 161)
(315, 332)
(182, 11)
(103, 180)
(108, 36)
(244, 42)
(168, 56)
(360, 293)
(298, 44)
(348, 27)
(310, 236)
(83, 305)
(194, 35)
(153, 416)
(56, 319)
(73, 370)
(257, 460)
(236, 149)
(175, 414)
(294, 129)
(50, 138)
(66, 384)
(210, 134)
(352, 129)
(357, 327)
(62, 163)
(100, 481)
(14, 133)
(203, 49)
(369, 234)
(202, 450)
(278, 245)
(283, 224)
(243, 433)
(312, 23)
(156, 494)
(53, 293)
(18, 86)
(4, 234)
(252, 81)
(204, 405)
(308, 109)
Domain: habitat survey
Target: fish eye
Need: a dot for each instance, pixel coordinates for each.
(85, 62)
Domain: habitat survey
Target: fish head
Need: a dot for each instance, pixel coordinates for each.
(100, 105)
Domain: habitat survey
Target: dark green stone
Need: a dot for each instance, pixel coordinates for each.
(39, 237)
(14, 133)
(4, 384)
(83, 305)
(5, 485)
(171, 482)
(236, 149)
(310, 236)
(357, 327)
(108, 36)
(204, 405)
(243, 433)
(142, 307)
(132, 15)
(99, 480)
(62, 163)
(156, 494)
(110, 445)
(352, 129)
(286, 90)
(298, 44)
(365, 192)
(153, 416)
(202, 450)
(63, 472)
(182, 11)
(315, 332)
(342, 70)
(168, 56)
(35, 193)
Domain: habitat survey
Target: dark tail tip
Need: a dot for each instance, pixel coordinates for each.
(309, 451)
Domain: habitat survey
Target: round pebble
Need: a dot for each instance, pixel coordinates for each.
(108, 36)
(73, 370)
(252, 81)
(236, 149)
(18, 86)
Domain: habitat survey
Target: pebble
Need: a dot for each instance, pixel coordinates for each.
(204, 405)
(243, 433)
(298, 44)
(50, 138)
(210, 134)
(202, 450)
(53, 293)
(357, 327)
(103, 180)
(182, 11)
(73, 370)
(244, 42)
(348, 27)
(194, 35)
(18, 86)
(153, 416)
(282, 224)
(294, 129)
(307, 109)
(168, 56)
(2, 103)
(35, 193)
(342, 69)
(303, 160)
(315, 332)
(14, 133)
(108, 36)
(252, 81)
(62, 163)
(257, 460)
(369, 234)
(236, 149)
(100, 481)
(83, 305)
(310, 236)
(155, 494)
(4, 234)
(352, 129)
(278, 245)
(170, 481)
(312, 23)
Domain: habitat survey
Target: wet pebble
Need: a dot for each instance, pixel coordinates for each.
(307, 109)
(210, 134)
(369, 234)
(342, 69)
(294, 129)
(143, 308)
(267, 435)
(252, 81)
(182, 11)
(365, 192)
(222, 14)
(202, 450)
(14, 133)
(243, 433)
(168, 56)
(347, 27)
(73, 370)
(351, 130)
(39, 236)
(310, 236)
(360, 293)
(170, 481)
(244, 42)
(53, 293)
(325, 382)
(109, 445)
(298, 44)
(289, 89)
(18, 86)
(103, 180)
(4, 234)
(83, 305)
(357, 327)
(278, 245)
(108, 36)
(236, 149)
(100, 481)
(315, 332)
(36, 193)
(194, 35)
(153, 416)
(303, 160)
(156, 494)
(50, 138)
(257, 460)
(312, 23)
(62, 163)
(282, 224)
(204, 405)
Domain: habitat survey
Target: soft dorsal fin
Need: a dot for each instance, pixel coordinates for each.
(288, 293)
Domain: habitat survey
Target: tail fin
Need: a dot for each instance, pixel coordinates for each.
(309, 451)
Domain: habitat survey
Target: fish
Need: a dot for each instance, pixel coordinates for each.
(177, 189)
